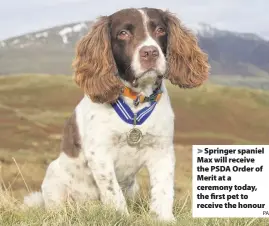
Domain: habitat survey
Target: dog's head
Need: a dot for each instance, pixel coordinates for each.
(137, 47)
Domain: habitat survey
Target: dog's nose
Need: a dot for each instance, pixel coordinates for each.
(149, 53)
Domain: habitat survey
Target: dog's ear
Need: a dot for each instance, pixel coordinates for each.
(94, 65)
(187, 64)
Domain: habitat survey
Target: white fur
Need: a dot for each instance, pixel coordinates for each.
(106, 156)
(160, 63)
(34, 199)
(107, 166)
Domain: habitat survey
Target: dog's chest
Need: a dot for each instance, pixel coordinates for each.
(129, 159)
(102, 128)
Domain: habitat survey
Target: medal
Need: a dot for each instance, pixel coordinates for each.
(135, 135)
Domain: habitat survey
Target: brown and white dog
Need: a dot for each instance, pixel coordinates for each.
(137, 49)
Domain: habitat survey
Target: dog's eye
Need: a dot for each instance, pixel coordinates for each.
(123, 34)
(160, 31)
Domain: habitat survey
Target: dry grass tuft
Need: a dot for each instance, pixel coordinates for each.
(95, 214)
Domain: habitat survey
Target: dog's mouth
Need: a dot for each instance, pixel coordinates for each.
(150, 74)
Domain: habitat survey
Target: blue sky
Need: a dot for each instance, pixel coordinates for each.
(22, 16)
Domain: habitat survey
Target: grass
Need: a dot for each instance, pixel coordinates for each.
(260, 81)
(13, 213)
(34, 108)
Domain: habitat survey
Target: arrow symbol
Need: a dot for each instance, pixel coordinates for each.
(200, 151)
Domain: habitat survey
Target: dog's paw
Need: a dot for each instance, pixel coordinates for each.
(166, 218)
(123, 211)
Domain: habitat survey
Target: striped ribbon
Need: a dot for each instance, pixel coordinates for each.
(127, 115)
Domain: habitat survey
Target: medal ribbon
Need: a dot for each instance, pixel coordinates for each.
(137, 99)
(127, 115)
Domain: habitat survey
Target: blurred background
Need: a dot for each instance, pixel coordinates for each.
(37, 94)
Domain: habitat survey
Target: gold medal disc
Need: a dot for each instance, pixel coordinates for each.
(134, 136)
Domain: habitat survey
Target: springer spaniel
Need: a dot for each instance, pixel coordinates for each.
(125, 120)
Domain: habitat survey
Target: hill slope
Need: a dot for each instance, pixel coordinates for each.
(32, 113)
(51, 51)
(33, 110)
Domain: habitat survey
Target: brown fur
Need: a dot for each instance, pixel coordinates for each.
(187, 64)
(95, 69)
(71, 143)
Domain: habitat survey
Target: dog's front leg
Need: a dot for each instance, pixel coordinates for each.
(161, 171)
(102, 169)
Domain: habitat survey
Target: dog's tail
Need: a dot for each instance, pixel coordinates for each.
(34, 199)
